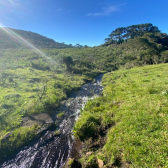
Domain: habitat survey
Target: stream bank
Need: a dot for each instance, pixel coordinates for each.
(54, 147)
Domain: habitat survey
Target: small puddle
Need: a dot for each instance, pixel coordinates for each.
(51, 151)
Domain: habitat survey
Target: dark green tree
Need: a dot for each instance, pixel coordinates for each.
(121, 34)
(67, 60)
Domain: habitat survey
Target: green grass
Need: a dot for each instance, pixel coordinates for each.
(32, 92)
(31, 83)
(35, 83)
(135, 106)
(60, 115)
(11, 144)
(57, 132)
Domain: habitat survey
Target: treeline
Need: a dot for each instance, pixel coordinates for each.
(122, 34)
(151, 48)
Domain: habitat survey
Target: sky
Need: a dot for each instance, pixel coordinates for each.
(87, 22)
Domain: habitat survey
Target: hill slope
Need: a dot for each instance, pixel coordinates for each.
(9, 39)
(35, 81)
(132, 113)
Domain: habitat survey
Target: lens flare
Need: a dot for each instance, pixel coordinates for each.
(21, 40)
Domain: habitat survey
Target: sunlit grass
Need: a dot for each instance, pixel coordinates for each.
(135, 101)
(27, 90)
(30, 92)
(28, 85)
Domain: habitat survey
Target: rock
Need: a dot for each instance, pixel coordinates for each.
(89, 153)
(42, 119)
(100, 163)
(41, 131)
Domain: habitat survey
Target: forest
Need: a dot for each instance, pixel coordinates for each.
(37, 73)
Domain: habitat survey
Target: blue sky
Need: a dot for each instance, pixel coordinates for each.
(81, 21)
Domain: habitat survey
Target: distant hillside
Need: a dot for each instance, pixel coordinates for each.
(12, 41)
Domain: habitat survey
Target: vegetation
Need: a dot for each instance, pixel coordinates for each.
(31, 82)
(134, 108)
(21, 136)
(60, 115)
(124, 33)
(36, 81)
(57, 132)
(9, 39)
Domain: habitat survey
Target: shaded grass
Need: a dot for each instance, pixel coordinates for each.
(133, 103)
(9, 145)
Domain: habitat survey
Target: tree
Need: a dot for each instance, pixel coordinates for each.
(85, 46)
(78, 46)
(121, 34)
(70, 45)
(67, 60)
(155, 59)
(164, 56)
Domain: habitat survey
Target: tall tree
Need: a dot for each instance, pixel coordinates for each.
(123, 33)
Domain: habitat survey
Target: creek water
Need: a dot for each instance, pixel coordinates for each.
(50, 150)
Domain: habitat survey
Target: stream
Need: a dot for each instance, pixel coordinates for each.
(50, 150)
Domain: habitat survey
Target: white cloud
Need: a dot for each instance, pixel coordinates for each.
(106, 11)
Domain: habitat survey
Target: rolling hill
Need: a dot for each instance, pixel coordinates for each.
(11, 38)
(36, 81)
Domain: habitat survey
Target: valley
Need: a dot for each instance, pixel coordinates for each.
(37, 74)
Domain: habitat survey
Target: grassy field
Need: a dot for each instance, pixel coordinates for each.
(32, 83)
(36, 81)
(133, 110)
(32, 91)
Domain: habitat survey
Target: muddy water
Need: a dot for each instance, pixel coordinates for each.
(50, 150)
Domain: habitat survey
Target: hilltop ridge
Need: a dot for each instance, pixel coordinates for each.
(8, 40)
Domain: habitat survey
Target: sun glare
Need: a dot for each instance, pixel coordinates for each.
(24, 42)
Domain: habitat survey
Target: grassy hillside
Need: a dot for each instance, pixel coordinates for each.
(31, 82)
(36, 81)
(133, 112)
(133, 52)
(8, 40)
